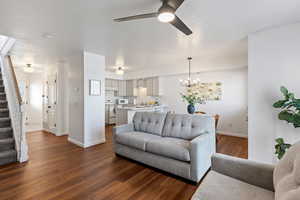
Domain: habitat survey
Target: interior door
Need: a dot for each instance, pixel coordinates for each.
(50, 102)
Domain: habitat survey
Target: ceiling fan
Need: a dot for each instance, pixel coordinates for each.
(165, 14)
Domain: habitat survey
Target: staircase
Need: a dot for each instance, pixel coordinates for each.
(8, 154)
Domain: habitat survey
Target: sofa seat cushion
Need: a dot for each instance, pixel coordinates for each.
(175, 148)
(135, 139)
(217, 186)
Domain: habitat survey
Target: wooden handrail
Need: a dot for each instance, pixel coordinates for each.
(17, 89)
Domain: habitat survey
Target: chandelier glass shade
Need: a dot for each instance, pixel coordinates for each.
(189, 82)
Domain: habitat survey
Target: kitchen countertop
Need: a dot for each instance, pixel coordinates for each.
(140, 107)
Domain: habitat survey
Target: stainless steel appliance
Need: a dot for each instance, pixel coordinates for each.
(122, 101)
(110, 114)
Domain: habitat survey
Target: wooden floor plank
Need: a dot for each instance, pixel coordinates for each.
(60, 170)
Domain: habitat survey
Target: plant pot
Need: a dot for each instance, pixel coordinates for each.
(191, 109)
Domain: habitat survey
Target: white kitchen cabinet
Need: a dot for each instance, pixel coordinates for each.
(155, 87)
(131, 86)
(111, 84)
(122, 88)
(115, 84)
(149, 86)
(141, 83)
(108, 83)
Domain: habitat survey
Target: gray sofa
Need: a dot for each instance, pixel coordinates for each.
(239, 179)
(178, 144)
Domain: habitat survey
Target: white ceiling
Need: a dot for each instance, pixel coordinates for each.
(220, 30)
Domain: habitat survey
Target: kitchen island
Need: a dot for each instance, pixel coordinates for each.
(125, 113)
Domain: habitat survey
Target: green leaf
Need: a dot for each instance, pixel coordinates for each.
(279, 104)
(284, 90)
(291, 95)
(279, 141)
(285, 115)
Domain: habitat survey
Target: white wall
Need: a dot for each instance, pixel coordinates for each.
(62, 100)
(94, 106)
(273, 61)
(86, 113)
(76, 99)
(232, 108)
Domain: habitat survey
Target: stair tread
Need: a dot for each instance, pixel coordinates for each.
(4, 109)
(5, 129)
(8, 153)
(4, 118)
(6, 141)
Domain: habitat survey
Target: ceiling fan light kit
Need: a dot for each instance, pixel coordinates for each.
(165, 14)
(120, 71)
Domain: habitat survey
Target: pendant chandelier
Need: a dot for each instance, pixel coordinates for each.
(189, 82)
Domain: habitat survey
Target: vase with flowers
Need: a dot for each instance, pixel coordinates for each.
(192, 97)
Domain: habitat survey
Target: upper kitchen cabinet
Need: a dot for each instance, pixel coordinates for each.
(155, 87)
(122, 88)
(111, 84)
(149, 86)
(152, 85)
(130, 88)
(141, 83)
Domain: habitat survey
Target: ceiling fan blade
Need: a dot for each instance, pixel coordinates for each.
(136, 17)
(181, 26)
(174, 3)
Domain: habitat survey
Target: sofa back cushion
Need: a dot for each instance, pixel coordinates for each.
(287, 175)
(149, 122)
(187, 126)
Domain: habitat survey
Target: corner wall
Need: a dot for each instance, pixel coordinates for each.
(274, 60)
(94, 106)
(86, 113)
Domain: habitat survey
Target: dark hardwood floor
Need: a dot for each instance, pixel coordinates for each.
(60, 170)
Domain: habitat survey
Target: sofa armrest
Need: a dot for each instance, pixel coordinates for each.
(202, 148)
(123, 128)
(254, 173)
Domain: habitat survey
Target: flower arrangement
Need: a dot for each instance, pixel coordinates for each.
(192, 96)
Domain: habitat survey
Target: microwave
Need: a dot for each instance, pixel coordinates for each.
(122, 101)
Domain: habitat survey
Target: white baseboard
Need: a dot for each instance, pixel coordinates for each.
(87, 144)
(92, 143)
(232, 134)
(75, 142)
(61, 134)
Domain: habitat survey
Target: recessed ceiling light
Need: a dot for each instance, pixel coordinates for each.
(28, 68)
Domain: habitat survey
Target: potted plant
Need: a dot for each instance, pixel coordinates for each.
(290, 112)
(281, 147)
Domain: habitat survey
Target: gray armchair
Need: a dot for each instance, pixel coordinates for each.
(239, 179)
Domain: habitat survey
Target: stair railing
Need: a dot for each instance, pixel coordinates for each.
(16, 107)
